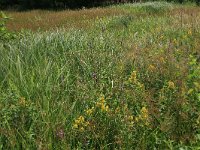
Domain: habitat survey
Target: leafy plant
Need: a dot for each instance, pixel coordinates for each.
(4, 33)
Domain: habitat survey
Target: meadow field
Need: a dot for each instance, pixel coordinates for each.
(120, 77)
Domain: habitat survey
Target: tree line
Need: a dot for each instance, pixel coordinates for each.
(29, 4)
(55, 3)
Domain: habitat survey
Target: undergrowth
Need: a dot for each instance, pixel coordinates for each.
(128, 83)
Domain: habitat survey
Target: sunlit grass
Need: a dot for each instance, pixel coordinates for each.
(127, 80)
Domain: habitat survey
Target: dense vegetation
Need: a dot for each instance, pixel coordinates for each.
(130, 81)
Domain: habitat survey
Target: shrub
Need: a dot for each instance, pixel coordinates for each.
(4, 33)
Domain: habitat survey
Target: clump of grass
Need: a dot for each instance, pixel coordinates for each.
(120, 22)
(149, 8)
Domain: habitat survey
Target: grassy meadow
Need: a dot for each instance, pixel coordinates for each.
(121, 77)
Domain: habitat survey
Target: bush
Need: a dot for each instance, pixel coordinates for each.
(4, 33)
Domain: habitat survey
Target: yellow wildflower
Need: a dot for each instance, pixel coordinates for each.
(87, 123)
(144, 113)
(90, 111)
(151, 68)
(140, 85)
(162, 60)
(102, 104)
(22, 101)
(190, 32)
(102, 99)
(82, 129)
(81, 119)
(171, 85)
(133, 77)
(104, 108)
(136, 119)
(130, 118)
(107, 108)
(80, 123)
(144, 110)
(145, 116)
(77, 121)
(75, 126)
(98, 104)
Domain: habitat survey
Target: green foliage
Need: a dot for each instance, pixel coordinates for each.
(5, 35)
(3, 31)
(120, 22)
(17, 117)
(132, 88)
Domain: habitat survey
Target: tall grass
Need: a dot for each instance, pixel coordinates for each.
(130, 82)
(48, 19)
